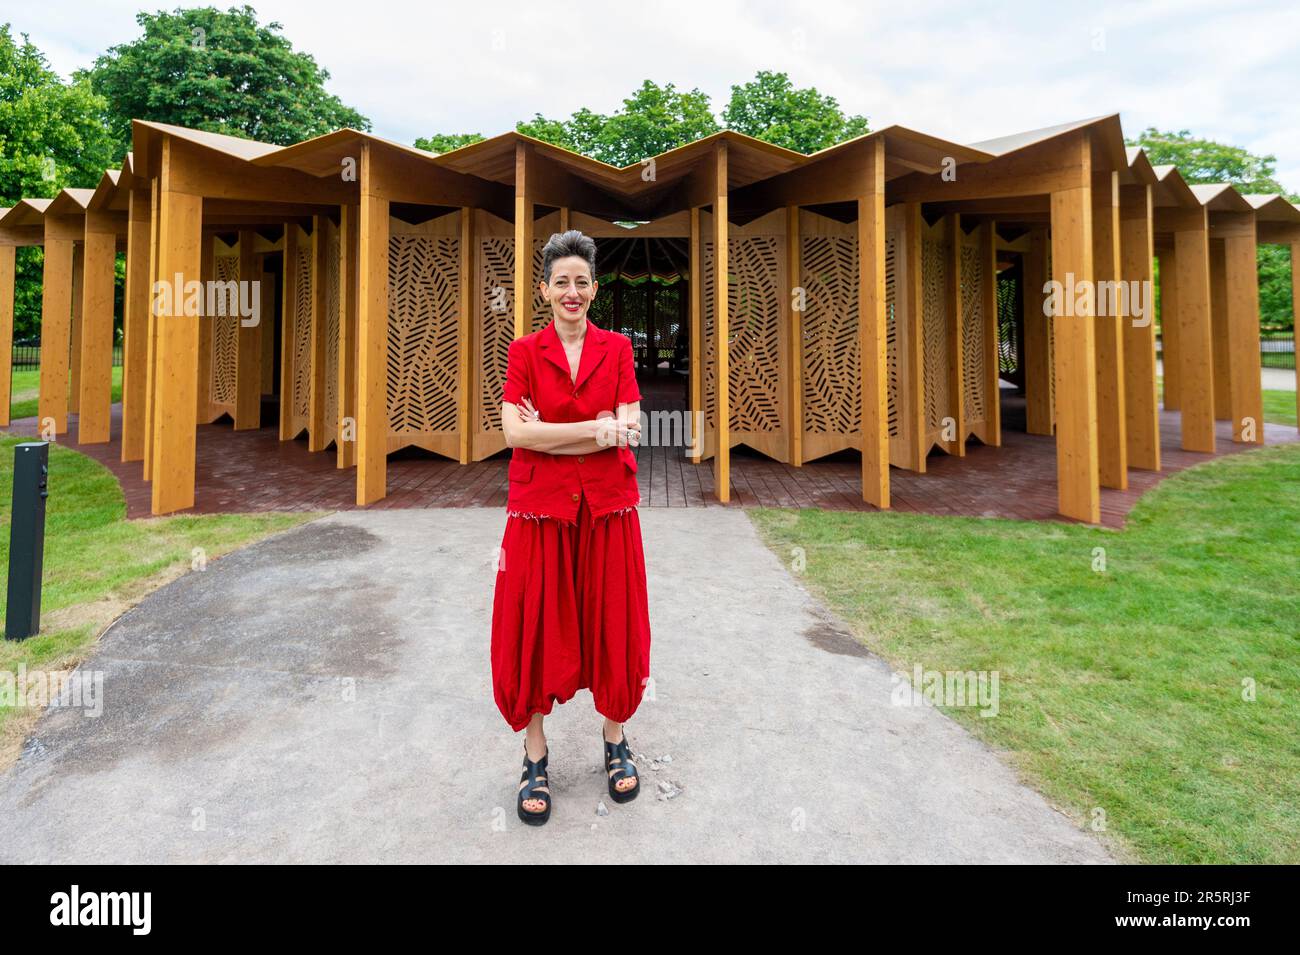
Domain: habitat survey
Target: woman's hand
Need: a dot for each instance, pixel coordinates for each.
(610, 433)
(527, 412)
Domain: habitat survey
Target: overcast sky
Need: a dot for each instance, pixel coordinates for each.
(964, 71)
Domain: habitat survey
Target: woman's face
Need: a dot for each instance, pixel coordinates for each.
(570, 290)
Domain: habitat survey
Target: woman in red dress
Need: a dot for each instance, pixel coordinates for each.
(570, 609)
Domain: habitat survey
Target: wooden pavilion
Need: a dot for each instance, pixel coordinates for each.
(861, 308)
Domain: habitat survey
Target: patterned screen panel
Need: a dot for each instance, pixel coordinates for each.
(332, 239)
(973, 277)
(423, 337)
(831, 384)
(225, 341)
(934, 321)
(496, 325)
(302, 293)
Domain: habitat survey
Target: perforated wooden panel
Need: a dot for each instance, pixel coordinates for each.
(893, 368)
(754, 332)
(225, 340)
(831, 384)
(934, 321)
(300, 396)
(496, 325)
(331, 426)
(974, 403)
(423, 318)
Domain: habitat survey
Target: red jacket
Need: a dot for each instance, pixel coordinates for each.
(549, 485)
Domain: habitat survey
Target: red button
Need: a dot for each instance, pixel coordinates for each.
(581, 459)
(575, 497)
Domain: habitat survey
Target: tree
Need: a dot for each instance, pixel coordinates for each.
(771, 109)
(221, 72)
(1208, 161)
(654, 119)
(52, 136)
(445, 142)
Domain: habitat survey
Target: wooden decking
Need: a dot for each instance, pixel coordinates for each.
(254, 471)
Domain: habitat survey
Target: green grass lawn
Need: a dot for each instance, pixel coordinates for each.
(25, 389)
(1119, 690)
(1279, 407)
(97, 563)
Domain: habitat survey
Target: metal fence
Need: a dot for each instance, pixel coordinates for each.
(27, 353)
(1274, 351)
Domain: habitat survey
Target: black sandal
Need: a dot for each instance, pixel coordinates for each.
(535, 775)
(622, 755)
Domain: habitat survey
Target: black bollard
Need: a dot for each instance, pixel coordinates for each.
(27, 539)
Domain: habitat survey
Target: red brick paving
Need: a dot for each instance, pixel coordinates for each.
(254, 471)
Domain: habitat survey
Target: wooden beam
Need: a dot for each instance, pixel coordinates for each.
(98, 269)
(721, 327)
(248, 339)
(955, 357)
(208, 269)
(872, 327)
(151, 327)
(1142, 413)
(1295, 316)
(696, 292)
(74, 356)
(991, 431)
(349, 233)
(1219, 328)
(180, 218)
(910, 289)
(1039, 408)
(1074, 357)
(8, 260)
(794, 296)
(467, 377)
(317, 356)
(523, 241)
(1112, 440)
(56, 334)
(288, 313)
(1245, 397)
(1195, 348)
(372, 337)
(1169, 360)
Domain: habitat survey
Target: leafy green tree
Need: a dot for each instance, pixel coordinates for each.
(221, 72)
(52, 136)
(1207, 161)
(654, 119)
(445, 142)
(771, 109)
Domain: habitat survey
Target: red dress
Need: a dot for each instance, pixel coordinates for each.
(570, 610)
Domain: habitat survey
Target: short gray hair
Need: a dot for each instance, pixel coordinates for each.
(562, 244)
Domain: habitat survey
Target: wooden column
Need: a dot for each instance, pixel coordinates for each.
(956, 380)
(872, 326)
(372, 336)
(151, 329)
(1195, 350)
(96, 383)
(1112, 441)
(56, 331)
(248, 339)
(268, 295)
(135, 325)
(74, 356)
(180, 217)
(1219, 328)
(288, 319)
(1295, 318)
(721, 333)
(696, 291)
(316, 348)
(794, 297)
(909, 289)
(991, 433)
(1039, 410)
(467, 369)
(1245, 397)
(1142, 414)
(1169, 359)
(523, 241)
(349, 231)
(1073, 349)
(8, 258)
(206, 323)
